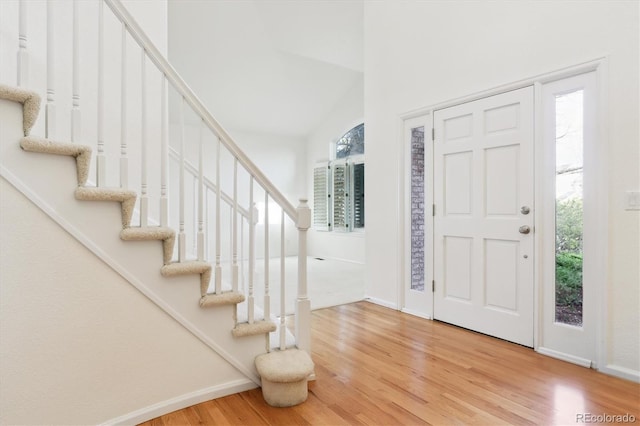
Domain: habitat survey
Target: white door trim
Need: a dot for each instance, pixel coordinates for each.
(600, 66)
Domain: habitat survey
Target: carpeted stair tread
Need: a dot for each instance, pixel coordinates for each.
(124, 196)
(81, 153)
(151, 233)
(190, 267)
(147, 233)
(224, 298)
(285, 366)
(284, 376)
(30, 104)
(258, 327)
(185, 268)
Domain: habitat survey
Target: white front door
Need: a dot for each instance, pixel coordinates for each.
(484, 215)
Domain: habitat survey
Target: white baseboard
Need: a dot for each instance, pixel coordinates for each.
(381, 302)
(565, 357)
(621, 372)
(182, 401)
(610, 369)
(416, 313)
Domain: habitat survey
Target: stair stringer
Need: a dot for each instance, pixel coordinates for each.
(49, 181)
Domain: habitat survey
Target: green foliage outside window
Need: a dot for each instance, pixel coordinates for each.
(569, 231)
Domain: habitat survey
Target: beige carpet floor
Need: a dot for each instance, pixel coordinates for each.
(330, 283)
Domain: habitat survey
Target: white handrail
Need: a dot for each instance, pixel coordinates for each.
(198, 107)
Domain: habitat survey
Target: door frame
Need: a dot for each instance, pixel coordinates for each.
(600, 232)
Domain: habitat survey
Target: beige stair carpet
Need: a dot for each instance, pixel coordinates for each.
(81, 153)
(126, 197)
(257, 327)
(284, 376)
(192, 267)
(30, 104)
(152, 233)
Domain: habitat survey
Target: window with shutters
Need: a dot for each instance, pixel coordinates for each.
(338, 186)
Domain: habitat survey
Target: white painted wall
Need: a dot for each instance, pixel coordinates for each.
(78, 343)
(268, 66)
(422, 53)
(347, 113)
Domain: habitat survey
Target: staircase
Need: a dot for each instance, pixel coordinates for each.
(152, 195)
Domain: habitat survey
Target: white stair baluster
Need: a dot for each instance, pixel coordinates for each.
(181, 236)
(50, 110)
(231, 245)
(100, 157)
(144, 197)
(124, 161)
(252, 252)
(164, 155)
(75, 111)
(234, 226)
(200, 237)
(218, 270)
(207, 243)
(267, 296)
(23, 56)
(283, 329)
(194, 212)
(242, 255)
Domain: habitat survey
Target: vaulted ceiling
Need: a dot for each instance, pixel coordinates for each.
(268, 66)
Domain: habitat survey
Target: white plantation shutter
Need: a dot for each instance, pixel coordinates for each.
(321, 197)
(340, 195)
(357, 194)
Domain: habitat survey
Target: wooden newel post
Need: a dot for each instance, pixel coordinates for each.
(303, 304)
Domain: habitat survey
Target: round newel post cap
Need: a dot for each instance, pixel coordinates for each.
(304, 215)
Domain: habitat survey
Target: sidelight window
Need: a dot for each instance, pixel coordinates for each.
(569, 206)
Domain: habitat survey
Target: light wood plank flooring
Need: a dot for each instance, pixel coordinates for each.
(377, 366)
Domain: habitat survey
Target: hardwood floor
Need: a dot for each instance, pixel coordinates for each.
(377, 366)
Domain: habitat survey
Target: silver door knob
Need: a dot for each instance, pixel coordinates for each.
(525, 210)
(524, 229)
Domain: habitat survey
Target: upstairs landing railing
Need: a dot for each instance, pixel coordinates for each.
(188, 171)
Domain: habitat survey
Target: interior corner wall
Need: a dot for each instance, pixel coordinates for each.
(78, 343)
(348, 113)
(422, 53)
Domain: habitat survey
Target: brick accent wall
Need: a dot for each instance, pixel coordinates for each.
(417, 209)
